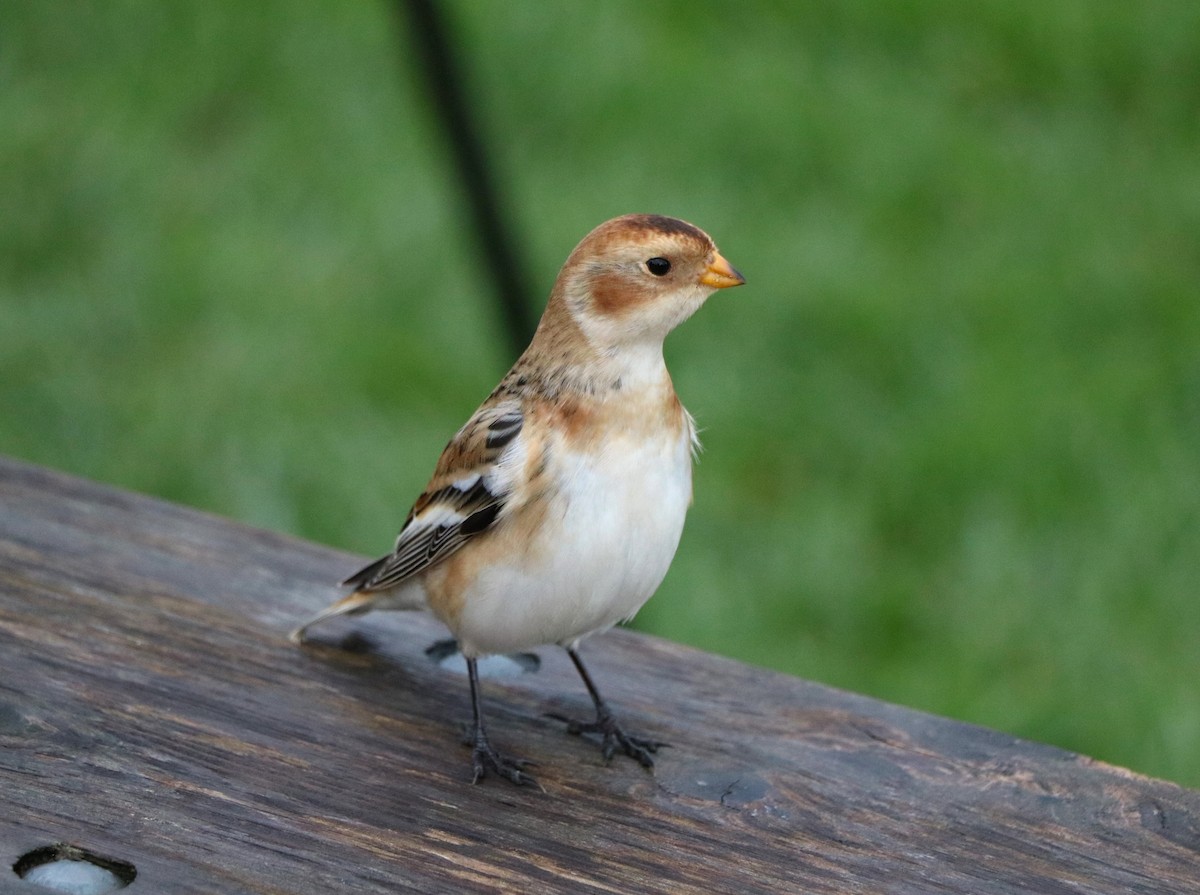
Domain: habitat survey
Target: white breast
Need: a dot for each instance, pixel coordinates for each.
(609, 536)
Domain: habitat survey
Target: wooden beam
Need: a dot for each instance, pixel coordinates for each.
(152, 711)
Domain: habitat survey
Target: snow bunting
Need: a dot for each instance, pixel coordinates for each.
(555, 511)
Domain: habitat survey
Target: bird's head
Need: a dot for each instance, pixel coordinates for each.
(635, 278)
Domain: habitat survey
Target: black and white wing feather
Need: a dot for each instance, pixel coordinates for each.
(468, 493)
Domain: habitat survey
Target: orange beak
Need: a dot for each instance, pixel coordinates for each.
(720, 274)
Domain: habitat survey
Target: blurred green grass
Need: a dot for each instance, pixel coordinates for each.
(952, 426)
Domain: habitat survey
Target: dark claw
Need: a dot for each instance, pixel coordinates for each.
(485, 759)
(612, 736)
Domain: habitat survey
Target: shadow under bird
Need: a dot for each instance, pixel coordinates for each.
(555, 512)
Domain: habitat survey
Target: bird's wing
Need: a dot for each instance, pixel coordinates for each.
(470, 488)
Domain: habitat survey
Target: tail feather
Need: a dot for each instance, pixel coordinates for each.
(409, 595)
(347, 605)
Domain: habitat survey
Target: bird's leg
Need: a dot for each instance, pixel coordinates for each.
(606, 725)
(483, 757)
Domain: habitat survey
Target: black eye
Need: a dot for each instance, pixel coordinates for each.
(660, 267)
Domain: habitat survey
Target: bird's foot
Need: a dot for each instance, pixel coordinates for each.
(485, 760)
(613, 737)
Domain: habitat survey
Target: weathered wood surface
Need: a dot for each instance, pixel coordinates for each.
(152, 710)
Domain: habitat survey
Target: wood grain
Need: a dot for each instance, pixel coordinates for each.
(152, 710)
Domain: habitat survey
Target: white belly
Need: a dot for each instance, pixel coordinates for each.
(610, 536)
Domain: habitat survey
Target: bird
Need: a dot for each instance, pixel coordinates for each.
(555, 511)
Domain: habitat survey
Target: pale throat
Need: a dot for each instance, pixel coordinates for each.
(632, 358)
(637, 365)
